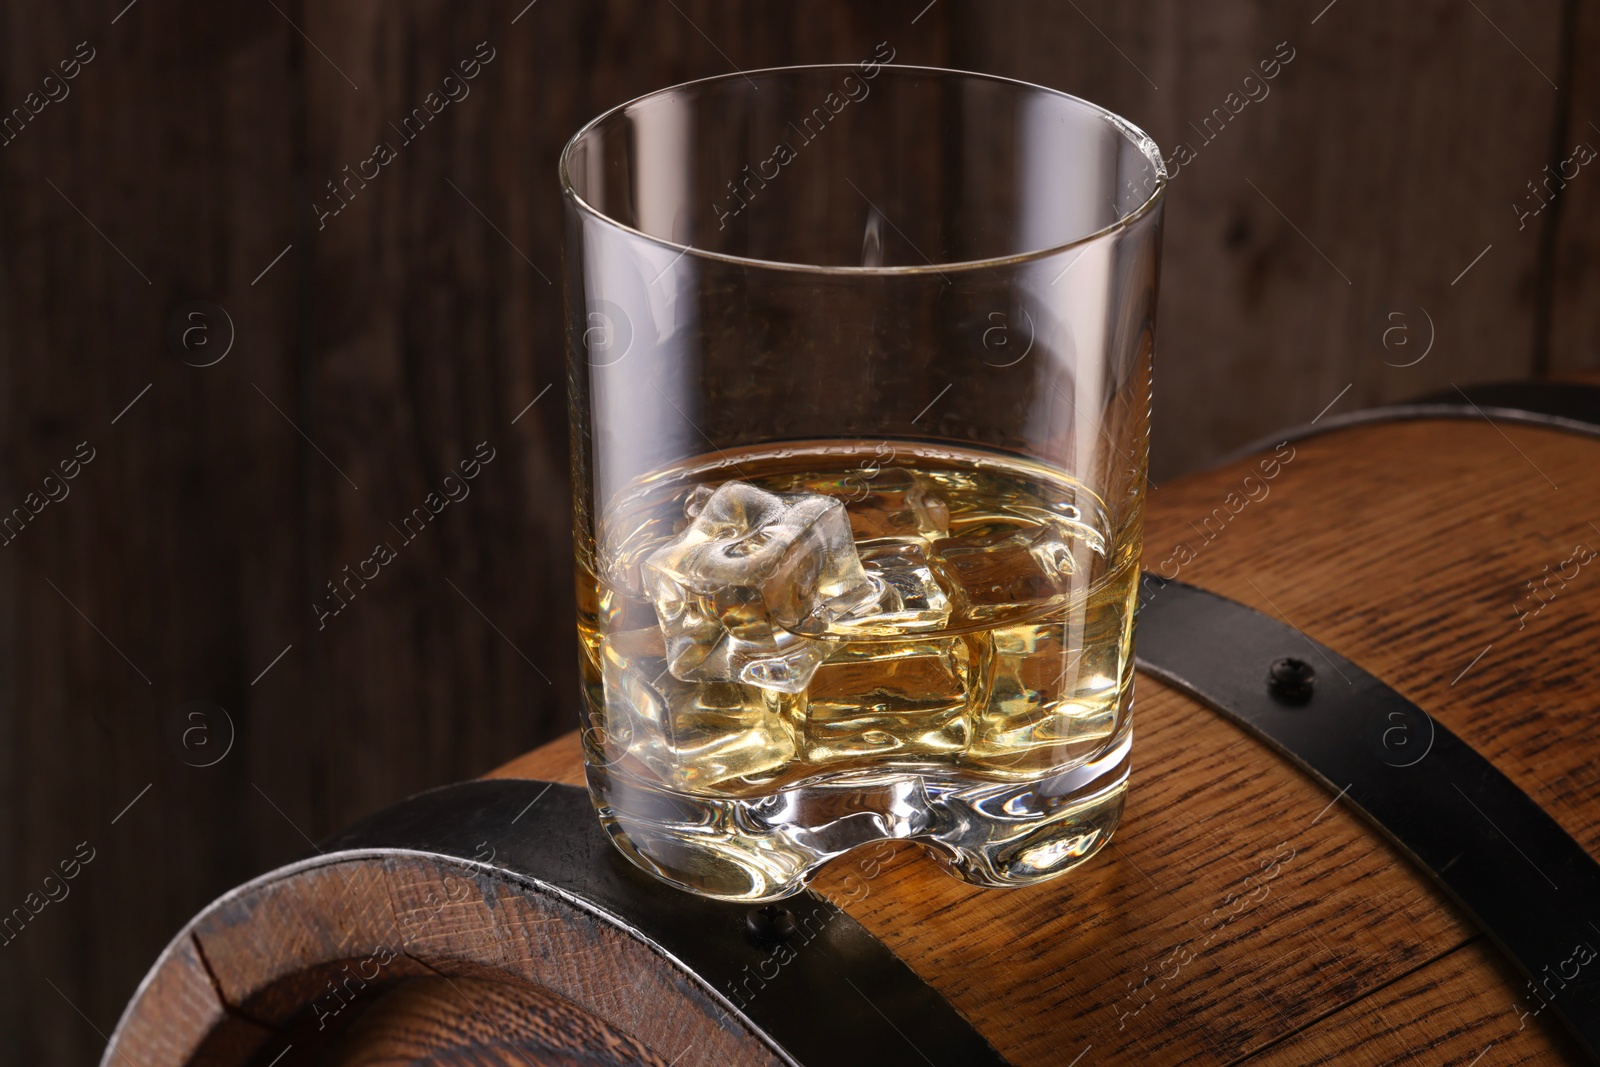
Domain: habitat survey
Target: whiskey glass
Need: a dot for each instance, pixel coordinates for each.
(859, 387)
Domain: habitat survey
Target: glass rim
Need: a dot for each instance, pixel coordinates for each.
(1138, 137)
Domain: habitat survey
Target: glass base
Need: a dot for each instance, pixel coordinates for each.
(997, 834)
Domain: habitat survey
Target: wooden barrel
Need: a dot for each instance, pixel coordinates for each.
(1246, 912)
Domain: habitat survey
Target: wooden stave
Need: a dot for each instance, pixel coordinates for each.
(1032, 1028)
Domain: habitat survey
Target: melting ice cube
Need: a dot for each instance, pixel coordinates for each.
(747, 591)
(909, 698)
(1000, 567)
(910, 598)
(691, 734)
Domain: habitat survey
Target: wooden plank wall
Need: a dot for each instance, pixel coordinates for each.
(160, 616)
(1316, 239)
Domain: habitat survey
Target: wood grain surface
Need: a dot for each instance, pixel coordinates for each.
(1319, 235)
(1572, 231)
(170, 692)
(166, 572)
(473, 1022)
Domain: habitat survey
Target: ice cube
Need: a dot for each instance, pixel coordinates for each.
(695, 502)
(1053, 692)
(882, 501)
(1004, 567)
(691, 734)
(903, 698)
(911, 600)
(625, 540)
(750, 588)
(893, 502)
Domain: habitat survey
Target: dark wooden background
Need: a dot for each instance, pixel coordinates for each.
(370, 356)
